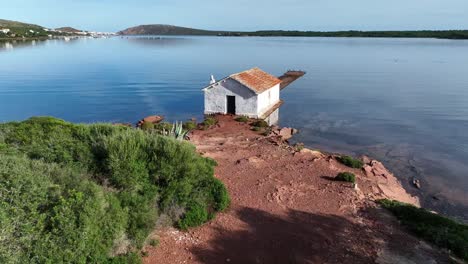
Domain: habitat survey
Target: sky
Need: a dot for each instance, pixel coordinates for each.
(242, 15)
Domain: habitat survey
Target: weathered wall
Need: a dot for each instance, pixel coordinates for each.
(216, 102)
(273, 119)
(268, 98)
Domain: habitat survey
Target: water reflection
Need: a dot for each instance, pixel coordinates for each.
(157, 41)
(398, 100)
(8, 45)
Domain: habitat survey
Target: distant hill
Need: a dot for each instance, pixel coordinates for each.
(174, 30)
(167, 30)
(68, 29)
(14, 30)
(16, 26)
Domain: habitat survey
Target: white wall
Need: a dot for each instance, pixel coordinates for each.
(268, 99)
(216, 102)
(273, 119)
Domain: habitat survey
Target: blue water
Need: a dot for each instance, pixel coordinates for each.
(403, 101)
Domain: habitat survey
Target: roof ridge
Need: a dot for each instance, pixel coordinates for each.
(256, 79)
(244, 71)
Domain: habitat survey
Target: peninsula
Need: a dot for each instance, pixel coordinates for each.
(159, 29)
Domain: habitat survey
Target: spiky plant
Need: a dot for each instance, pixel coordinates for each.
(177, 131)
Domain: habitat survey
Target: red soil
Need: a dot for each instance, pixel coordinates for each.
(287, 209)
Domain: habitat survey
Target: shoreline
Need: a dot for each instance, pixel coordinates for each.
(271, 182)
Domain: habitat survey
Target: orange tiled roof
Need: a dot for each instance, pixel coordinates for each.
(256, 80)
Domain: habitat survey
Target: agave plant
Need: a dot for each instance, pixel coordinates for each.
(177, 131)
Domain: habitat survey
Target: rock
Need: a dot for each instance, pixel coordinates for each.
(314, 153)
(153, 119)
(417, 183)
(286, 133)
(368, 170)
(378, 169)
(366, 159)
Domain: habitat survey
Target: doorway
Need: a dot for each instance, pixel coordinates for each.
(231, 104)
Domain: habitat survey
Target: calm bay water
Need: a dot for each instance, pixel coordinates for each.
(403, 101)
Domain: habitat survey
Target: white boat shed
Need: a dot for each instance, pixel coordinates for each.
(253, 93)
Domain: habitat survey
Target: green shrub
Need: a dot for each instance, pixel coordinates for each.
(163, 126)
(260, 123)
(351, 162)
(242, 119)
(130, 258)
(190, 125)
(209, 122)
(439, 230)
(346, 177)
(89, 185)
(147, 126)
(299, 146)
(220, 195)
(53, 214)
(256, 129)
(154, 242)
(196, 215)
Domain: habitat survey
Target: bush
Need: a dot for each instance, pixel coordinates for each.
(299, 146)
(54, 214)
(209, 122)
(439, 230)
(87, 186)
(220, 195)
(256, 129)
(351, 162)
(242, 119)
(346, 177)
(190, 125)
(154, 242)
(196, 215)
(147, 126)
(260, 123)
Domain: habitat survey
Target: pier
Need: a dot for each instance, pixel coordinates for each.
(289, 77)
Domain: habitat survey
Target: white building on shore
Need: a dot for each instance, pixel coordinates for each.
(253, 93)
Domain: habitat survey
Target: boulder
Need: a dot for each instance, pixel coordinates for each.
(366, 160)
(150, 119)
(376, 168)
(314, 153)
(153, 119)
(286, 133)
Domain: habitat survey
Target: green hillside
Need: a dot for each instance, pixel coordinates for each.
(18, 29)
(168, 30)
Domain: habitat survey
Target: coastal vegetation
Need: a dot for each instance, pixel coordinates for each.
(19, 30)
(346, 177)
(242, 119)
(92, 193)
(190, 125)
(442, 34)
(209, 122)
(439, 230)
(350, 162)
(260, 123)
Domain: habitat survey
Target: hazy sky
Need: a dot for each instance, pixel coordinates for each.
(114, 15)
